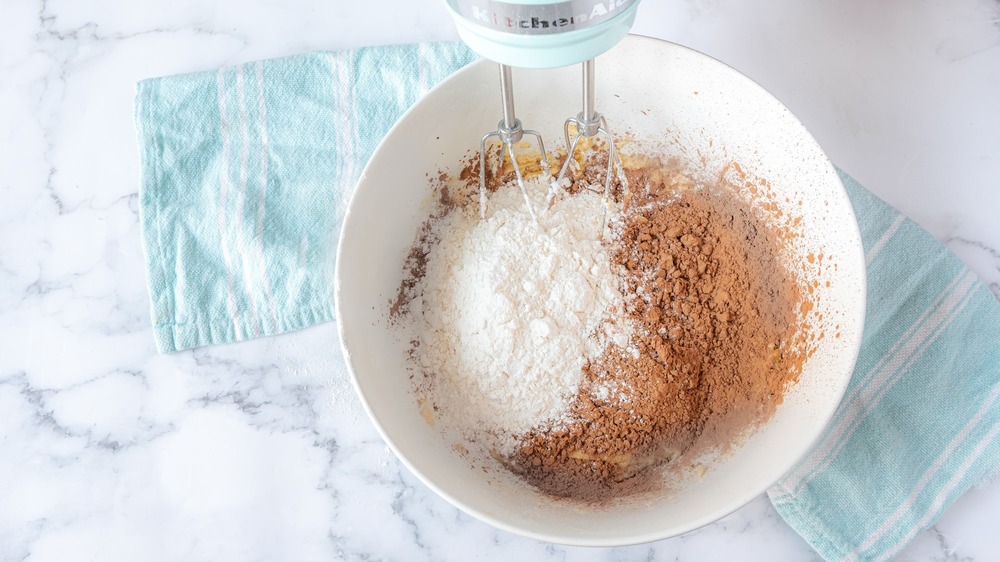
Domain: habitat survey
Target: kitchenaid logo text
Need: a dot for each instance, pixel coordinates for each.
(597, 11)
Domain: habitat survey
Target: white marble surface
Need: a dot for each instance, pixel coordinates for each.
(260, 450)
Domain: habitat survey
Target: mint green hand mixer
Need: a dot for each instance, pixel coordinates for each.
(543, 34)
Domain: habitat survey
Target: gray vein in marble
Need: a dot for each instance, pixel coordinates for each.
(69, 42)
(45, 416)
(993, 284)
(949, 552)
(292, 409)
(399, 508)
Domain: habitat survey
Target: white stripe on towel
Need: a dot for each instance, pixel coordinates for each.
(262, 196)
(348, 121)
(345, 123)
(907, 350)
(223, 199)
(249, 273)
(874, 251)
(422, 53)
(946, 490)
(931, 471)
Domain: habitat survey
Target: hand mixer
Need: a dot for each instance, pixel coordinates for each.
(544, 34)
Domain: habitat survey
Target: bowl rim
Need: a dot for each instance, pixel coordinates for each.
(623, 540)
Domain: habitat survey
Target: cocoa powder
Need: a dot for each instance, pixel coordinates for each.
(715, 315)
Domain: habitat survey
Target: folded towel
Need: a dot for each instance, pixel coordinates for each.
(920, 421)
(245, 175)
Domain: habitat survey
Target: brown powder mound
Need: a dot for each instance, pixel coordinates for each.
(714, 311)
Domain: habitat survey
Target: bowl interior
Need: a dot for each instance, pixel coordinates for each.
(657, 91)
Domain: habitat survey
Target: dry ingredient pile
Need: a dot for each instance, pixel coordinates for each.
(509, 313)
(586, 364)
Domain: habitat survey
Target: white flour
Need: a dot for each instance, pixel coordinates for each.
(508, 312)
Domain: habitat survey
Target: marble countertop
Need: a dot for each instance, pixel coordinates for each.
(260, 450)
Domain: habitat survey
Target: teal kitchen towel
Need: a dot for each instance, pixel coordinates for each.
(246, 172)
(245, 175)
(920, 421)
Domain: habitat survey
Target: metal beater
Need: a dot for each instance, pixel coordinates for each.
(509, 132)
(590, 123)
(544, 34)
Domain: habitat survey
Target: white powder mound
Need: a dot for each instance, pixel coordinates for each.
(511, 311)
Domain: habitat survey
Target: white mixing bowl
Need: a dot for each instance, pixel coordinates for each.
(655, 90)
